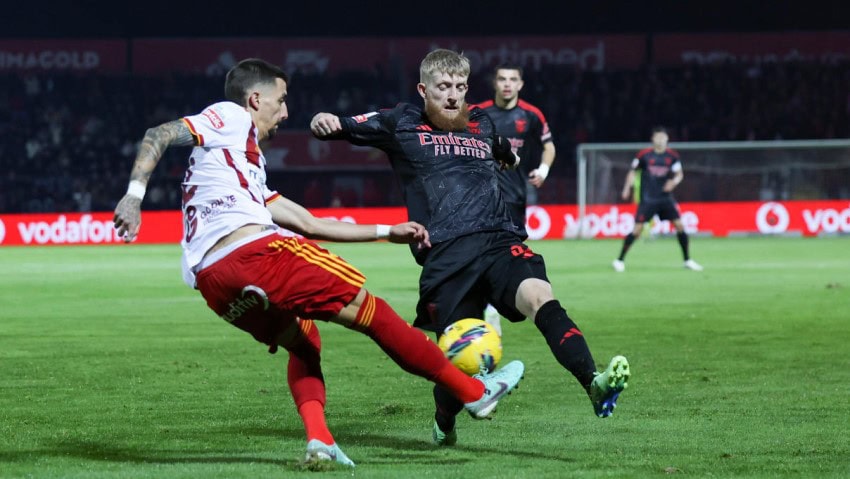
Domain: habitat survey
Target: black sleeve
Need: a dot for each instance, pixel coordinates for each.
(369, 129)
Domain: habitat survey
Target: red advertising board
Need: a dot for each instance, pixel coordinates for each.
(85, 228)
(806, 218)
(64, 55)
(676, 49)
(215, 56)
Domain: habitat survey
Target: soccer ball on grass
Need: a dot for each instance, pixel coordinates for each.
(472, 345)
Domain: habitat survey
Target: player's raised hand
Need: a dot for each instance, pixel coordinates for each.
(128, 217)
(324, 124)
(410, 232)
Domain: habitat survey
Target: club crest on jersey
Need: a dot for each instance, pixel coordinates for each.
(520, 125)
(364, 117)
(472, 127)
(213, 117)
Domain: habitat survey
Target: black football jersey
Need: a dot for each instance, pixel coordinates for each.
(525, 127)
(655, 170)
(449, 179)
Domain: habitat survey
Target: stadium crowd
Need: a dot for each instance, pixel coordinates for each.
(67, 142)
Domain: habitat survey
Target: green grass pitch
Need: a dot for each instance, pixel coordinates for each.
(111, 368)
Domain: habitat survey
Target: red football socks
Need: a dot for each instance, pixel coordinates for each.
(313, 415)
(412, 350)
(306, 383)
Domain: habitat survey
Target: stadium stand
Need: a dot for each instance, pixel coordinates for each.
(67, 141)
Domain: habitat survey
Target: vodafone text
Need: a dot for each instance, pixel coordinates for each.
(62, 231)
(615, 223)
(828, 220)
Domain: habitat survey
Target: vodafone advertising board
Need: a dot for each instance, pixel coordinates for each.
(806, 218)
(84, 228)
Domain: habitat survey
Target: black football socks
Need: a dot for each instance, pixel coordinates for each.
(566, 342)
(627, 243)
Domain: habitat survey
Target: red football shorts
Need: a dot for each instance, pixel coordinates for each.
(263, 286)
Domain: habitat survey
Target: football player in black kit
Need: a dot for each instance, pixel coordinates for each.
(525, 127)
(447, 158)
(661, 171)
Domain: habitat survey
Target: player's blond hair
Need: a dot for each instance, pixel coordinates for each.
(443, 61)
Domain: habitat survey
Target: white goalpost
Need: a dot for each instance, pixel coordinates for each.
(775, 170)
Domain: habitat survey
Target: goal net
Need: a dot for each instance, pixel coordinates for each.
(778, 170)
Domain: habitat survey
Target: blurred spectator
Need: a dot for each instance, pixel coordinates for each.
(67, 141)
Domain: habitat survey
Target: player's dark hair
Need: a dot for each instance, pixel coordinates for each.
(659, 129)
(507, 66)
(248, 73)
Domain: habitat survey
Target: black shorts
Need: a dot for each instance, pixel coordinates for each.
(461, 276)
(665, 209)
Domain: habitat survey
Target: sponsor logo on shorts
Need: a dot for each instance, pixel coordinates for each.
(252, 296)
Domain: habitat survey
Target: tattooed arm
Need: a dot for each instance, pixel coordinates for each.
(128, 213)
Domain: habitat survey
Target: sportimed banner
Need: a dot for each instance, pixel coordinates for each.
(214, 56)
(806, 218)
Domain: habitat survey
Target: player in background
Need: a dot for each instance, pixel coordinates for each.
(263, 282)
(661, 171)
(447, 158)
(525, 127)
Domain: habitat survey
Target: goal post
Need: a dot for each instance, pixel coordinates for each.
(723, 171)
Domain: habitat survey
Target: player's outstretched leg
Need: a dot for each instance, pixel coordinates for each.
(496, 385)
(319, 451)
(493, 318)
(442, 438)
(607, 386)
(411, 349)
(447, 409)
